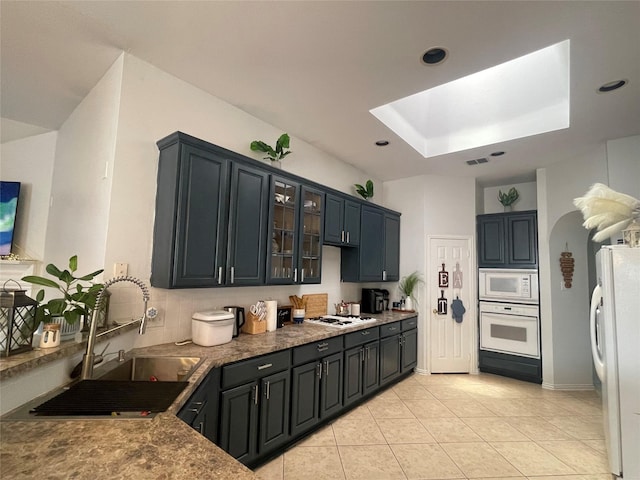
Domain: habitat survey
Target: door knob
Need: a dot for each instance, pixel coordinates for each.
(435, 310)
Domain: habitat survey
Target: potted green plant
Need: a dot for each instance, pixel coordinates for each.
(366, 190)
(273, 154)
(407, 287)
(509, 198)
(77, 300)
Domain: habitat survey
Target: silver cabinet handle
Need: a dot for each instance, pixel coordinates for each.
(368, 351)
(348, 237)
(323, 346)
(267, 390)
(295, 275)
(365, 333)
(266, 365)
(219, 275)
(302, 275)
(197, 407)
(342, 236)
(200, 428)
(233, 274)
(326, 368)
(255, 394)
(384, 275)
(319, 370)
(393, 329)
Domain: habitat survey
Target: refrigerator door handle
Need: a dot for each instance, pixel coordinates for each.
(593, 320)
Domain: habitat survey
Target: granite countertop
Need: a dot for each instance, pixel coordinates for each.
(161, 447)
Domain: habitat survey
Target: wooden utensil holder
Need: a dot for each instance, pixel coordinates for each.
(253, 325)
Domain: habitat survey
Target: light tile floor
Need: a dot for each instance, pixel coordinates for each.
(440, 427)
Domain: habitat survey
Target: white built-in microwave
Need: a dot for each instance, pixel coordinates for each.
(508, 285)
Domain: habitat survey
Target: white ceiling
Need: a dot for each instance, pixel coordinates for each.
(315, 68)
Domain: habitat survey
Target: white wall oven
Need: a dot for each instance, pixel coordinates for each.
(508, 285)
(510, 328)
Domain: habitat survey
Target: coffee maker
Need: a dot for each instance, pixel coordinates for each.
(372, 300)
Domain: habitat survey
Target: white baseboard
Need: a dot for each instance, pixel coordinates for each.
(569, 386)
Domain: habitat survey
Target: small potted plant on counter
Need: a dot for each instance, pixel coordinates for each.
(407, 287)
(77, 300)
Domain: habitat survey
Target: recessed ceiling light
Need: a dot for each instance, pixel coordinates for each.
(382, 143)
(434, 56)
(611, 86)
(497, 154)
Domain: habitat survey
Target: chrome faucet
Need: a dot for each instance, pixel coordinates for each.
(89, 358)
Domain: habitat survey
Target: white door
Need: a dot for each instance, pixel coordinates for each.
(451, 343)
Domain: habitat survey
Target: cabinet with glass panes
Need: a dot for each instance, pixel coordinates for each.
(296, 222)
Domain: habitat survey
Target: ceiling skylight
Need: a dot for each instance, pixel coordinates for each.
(522, 97)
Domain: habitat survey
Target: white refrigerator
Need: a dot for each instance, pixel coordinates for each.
(615, 345)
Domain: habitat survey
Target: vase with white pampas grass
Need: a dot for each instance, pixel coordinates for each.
(608, 211)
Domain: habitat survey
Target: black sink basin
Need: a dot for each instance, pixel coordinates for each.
(111, 397)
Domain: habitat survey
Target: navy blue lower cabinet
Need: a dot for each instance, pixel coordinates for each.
(201, 410)
(409, 349)
(238, 421)
(316, 392)
(522, 368)
(274, 411)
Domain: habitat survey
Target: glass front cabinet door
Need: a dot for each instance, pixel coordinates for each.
(296, 220)
(311, 232)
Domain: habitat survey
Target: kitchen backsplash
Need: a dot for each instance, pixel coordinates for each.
(176, 307)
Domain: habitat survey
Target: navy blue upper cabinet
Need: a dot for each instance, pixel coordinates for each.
(508, 240)
(296, 233)
(189, 240)
(211, 217)
(341, 221)
(247, 226)
(378, 256)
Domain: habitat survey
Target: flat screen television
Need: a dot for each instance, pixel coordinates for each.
(9, 193)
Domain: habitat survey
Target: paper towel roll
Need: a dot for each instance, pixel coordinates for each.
(272, 315)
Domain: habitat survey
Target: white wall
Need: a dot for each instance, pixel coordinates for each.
(528, 199)
(152, 105)
(570, 306)
(430, 205)
(623, 165)
(557, 186)
(81, 186)
(31, 162)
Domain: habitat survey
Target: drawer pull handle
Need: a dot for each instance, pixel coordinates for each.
(322, 349)
(392, 329)
(266, 365)
(365, 333)
(325, 344)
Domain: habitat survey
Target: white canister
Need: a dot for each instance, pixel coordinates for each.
(213, 327)
(354, 309)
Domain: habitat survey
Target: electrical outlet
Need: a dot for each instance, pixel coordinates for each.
(120, 269)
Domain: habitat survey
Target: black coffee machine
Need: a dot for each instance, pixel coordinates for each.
(373, 300)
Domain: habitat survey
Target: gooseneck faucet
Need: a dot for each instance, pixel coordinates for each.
(89, 357)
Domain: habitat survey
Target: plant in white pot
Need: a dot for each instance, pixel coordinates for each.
(408, 286)
(77, 300)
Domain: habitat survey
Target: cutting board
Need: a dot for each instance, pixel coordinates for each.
(316, 305)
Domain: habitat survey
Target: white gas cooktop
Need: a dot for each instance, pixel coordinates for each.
(339, 321)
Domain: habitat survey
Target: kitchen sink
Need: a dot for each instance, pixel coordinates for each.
(138, 387)
(154, 369)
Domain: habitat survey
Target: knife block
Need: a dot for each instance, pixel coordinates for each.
(253, 325)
